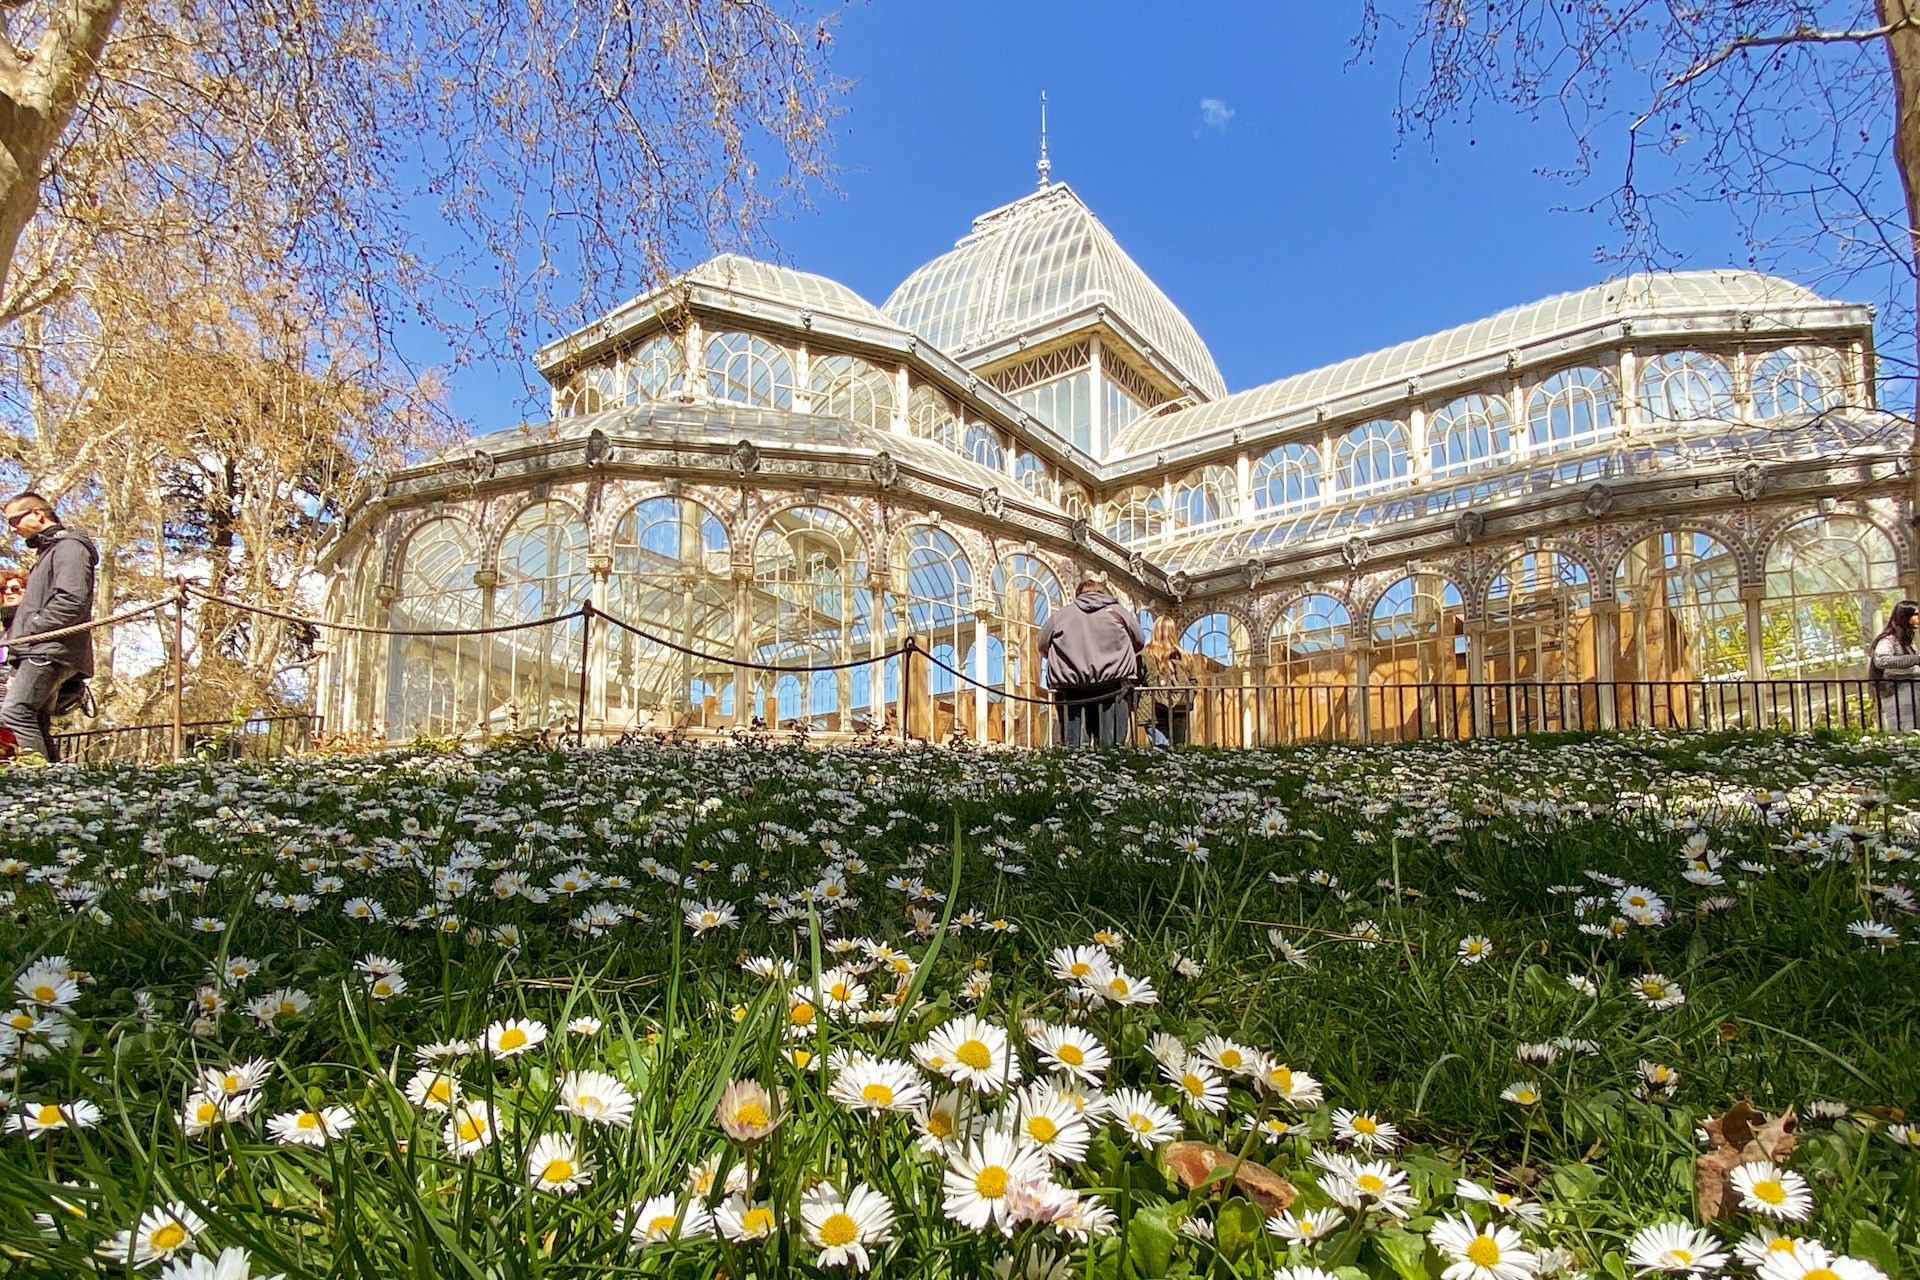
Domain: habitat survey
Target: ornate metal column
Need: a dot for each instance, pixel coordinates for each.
(601, 567)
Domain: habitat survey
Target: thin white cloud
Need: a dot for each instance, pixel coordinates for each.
(1214, 114)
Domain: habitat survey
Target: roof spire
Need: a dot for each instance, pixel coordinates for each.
(1046, 165)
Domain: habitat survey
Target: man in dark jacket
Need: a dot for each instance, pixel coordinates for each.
(59, 593)
(1092, 648)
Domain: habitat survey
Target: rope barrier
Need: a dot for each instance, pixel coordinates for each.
(125, 615)
(586, 611)
(1021, 697)
(743, 662)
(358, 629)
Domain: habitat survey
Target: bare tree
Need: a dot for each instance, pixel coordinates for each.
(1799, 117)
(573, 148)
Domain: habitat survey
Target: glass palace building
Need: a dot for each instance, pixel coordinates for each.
(1674, 479)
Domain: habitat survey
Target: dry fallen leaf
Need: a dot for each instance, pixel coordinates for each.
(1200, 1164)
(1739, 1137)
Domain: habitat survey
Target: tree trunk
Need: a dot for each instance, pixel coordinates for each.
(1903, 53)
(38, 95)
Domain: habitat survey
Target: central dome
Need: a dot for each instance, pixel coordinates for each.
(1034, 265)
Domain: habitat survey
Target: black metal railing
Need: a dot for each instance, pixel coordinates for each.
(259, 737)
(1277, 715)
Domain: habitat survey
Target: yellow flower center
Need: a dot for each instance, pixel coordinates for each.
(513, 1038)
(471, 1128)
(939, 1124)
(1781, 1244)
(206, 1113)
(171, 1236)
(1230, 1058)
(1140, 1122)
(801, 1057)
(289, 1008)
(1042, 1129)
(1079, 968)
(557, 1171)
(1483, 1252)
(307, 1120)
(838, 1230)
(230, 1082)
(1682, 1256)
(756, 1222)
(1370, 1183)
(1281, 1079)
(1365, 1124)
(441, 1090)
(1770, 1192)
(588, 1105)
(975, 1054)
(1821, 1273)
(44, 993)
(48, 1114)
(840, 991)
(1194, 1085)
(991, 1182)
(1071, 1055)
(800, 1015)
(878, 1094)
(1118, 986)
(750, 1114)
(1526, 1097)
(660, 1226)
(21, 1021)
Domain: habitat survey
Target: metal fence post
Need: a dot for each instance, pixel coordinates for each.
(580, 709)
(908, 649)
(179, 669)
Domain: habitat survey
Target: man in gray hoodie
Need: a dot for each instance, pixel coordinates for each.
(59, 593)
(1092, 649)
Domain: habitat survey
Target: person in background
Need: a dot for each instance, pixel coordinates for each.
(1092, 650)
(1894, 668)
(58, 594)
(13, 583)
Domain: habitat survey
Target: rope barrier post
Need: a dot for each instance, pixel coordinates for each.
(179, 670)
(580, 710)
(911, 647)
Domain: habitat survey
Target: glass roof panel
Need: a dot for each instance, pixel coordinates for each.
(783, 284)
(1633, 295)
(1037, 260)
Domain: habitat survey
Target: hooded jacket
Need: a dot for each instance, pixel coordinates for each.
(1093, 640)
(59, 593)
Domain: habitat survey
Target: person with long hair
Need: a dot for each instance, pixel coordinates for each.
(1894, 668)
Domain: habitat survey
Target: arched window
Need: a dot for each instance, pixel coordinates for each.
(1137, 515)
(931, 417)
(1286, 477)
(1371, 456)
(1310, 642)
(811, 604)
(984, 447)
(1026, 593)
(1685, 386)
(1572, 409)
(1419, 654)
(933, 587)
(1310, 660)
(1831, 582)
(1681, 617)
(542, 572)
(848, 387)
(1795, 381)
(1205, 496)
(434, 682)
(749, 370)
(672, 576)
(656, 370)
(1474, 431)
(590, 391)
(1031, 474)
(1540, 621)
(1219, 636)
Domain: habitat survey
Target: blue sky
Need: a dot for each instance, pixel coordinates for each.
(1287, 219)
